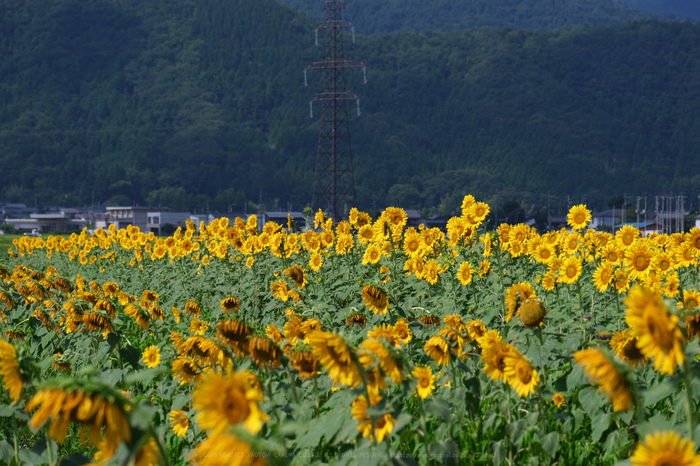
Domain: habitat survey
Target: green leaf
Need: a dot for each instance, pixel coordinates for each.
(659, 391)
(130, 355)
(499, 452)
(516, 430)
(575, 378)
(599, 424)
(76, 459)
(438, 408)
(143, 376)
(550, 443)
(591, 401)
(142, 415)
(6, 452)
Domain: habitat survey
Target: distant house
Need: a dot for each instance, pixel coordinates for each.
(556, 222)
(607, 218)
(414, 218)
(122, 217)
(12, 210)
(54, 221)
(280, 218)
(156, 221)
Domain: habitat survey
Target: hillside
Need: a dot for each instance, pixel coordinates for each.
(680, 8)
(187, 103)
(372, 17)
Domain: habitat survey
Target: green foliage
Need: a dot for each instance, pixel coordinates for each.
(189, 104)
(371, 17)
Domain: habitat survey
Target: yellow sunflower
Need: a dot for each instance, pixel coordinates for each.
(638, 260)
(336, 356)
(464, 275)
(426, 381)
(570, 270)
(605, 373)
(224, 400)
(624, 344)
(316, 262)
(382, 426)
(297, 275)
(372, 254)
(660, 337)
(230, 304)
(665, 449)
(578, 217)
(626, 235)
(515, 295)
(520, 374)
(493, 356)
(559, 400)
(9, 369)
(438, 349)
(179, 422)
(151, 356)
(376, 299)
(305, 363)
(602, 276)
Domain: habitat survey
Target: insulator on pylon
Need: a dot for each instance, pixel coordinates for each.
(364, 73)
(353, 34)
(306, 83)
(358, 107)
(311, 107)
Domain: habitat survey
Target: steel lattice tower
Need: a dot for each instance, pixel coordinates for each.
(334, 182)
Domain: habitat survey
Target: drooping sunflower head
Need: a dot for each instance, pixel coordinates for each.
(305, 363)
(234, 333)
(297, 275)
(9, 369)
(660, 337)
(336, 356)
(375, 298)
(357, 318)
(193, 309)
(532, 313)
(230, 304)
(603, 371)
(264, 352)
(429, 320)
(624, 344)
(438, 349)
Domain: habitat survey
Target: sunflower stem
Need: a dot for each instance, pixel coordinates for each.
(292, 382)
(48, 449)
(689, 399)
(15, 440)
(425, 429)
(161, 450)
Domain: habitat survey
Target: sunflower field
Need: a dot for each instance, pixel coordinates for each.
(361, 342)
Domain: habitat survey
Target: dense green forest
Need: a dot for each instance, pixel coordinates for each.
(373, 17)
(683, 9)
(184, 102)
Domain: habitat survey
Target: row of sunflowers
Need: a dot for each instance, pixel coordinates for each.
(361, 341)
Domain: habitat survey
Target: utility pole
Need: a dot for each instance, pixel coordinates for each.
(334, 181)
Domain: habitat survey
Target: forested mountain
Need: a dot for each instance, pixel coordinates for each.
(181, 102)
(683, 9)
(378, 17)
